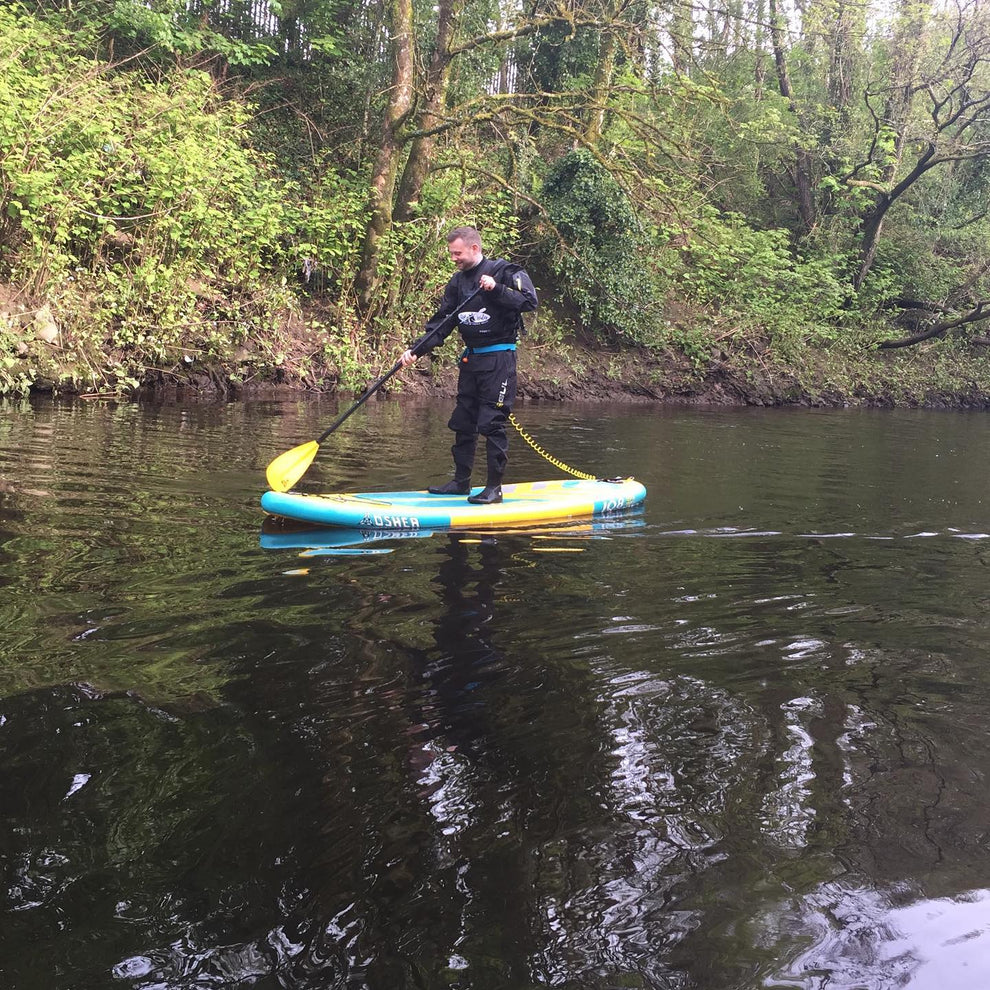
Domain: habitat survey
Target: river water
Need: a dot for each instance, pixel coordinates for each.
(739, 740)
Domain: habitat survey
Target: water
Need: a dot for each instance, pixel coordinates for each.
(736, 742)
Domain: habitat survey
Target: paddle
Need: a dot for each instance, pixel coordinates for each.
(289, 467)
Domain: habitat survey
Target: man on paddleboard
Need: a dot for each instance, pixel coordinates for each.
(488, 296)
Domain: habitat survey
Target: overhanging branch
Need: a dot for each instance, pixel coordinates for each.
(977, 314)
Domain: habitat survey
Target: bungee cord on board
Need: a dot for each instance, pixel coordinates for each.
(549, 457)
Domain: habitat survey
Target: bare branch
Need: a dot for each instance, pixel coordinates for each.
(977, 315)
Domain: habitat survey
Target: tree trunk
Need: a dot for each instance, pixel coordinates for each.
(601, 87)
(759, 55)
(386, 168)
(437, 81)
(802, 162)
(907, 44)
(872, 223)
(681, 35)
(907, 41)
(843, 47)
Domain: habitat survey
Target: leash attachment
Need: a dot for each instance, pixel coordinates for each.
(549, 457)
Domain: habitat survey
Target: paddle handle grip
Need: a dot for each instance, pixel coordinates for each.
(395, 367)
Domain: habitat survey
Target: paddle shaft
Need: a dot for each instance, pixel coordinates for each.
(395, 367)
(357, 405)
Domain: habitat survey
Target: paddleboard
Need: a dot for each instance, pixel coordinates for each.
(524, 503)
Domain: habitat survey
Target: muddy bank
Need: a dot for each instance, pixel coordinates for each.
(718, 390)
(298, 354)
(870, 380)
(874, 379)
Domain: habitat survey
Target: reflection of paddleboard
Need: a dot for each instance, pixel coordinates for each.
(333, 539)
(275, 537)
(530, 502)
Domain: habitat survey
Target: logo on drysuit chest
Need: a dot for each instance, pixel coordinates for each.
(476, 319)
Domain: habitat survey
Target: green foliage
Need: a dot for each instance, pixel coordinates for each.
(135, 193)
(755, 276)
(328, 219)
(751, 141)
(16, 375)
(163, 26)
(586, 203)
(413, 264)
(166, 218)
(597, 249)
(930, 267)
(159, 29)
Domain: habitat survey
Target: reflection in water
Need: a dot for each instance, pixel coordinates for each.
(788, 810)
(285, 534)
(450, 723)
(740, 743)
(883, 940)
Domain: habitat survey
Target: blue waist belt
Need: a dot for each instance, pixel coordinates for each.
(489, 349)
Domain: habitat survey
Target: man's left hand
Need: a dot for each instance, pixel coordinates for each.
(486, 282)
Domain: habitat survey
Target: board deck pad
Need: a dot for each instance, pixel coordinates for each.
(526, 502)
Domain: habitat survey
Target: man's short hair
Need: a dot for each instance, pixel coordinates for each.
(469, 235)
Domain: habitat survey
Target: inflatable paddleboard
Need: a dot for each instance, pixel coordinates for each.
(529, 502)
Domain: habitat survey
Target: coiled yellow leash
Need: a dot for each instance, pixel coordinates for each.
(553, 460)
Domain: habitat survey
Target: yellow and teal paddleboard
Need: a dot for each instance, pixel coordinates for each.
(526, 503)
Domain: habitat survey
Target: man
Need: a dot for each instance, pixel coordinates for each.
(498, 293)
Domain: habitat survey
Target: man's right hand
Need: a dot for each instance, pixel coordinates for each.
(407, 358)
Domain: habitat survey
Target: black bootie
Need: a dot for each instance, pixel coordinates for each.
(456, 486)
(489, 495)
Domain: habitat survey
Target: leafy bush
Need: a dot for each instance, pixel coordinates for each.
(137, 193)
(755, 275)
(598, 251)
(932, 267)
(414, 266)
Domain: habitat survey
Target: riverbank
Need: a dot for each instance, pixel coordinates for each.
(301, 351)
(937, 377)
(171, 227)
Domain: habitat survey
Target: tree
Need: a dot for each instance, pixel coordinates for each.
(936, 106)
(417, 111)
(386, 166)
(802, 164)
(434, 97)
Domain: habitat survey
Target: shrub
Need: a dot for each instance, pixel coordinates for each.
(756, 276)
(140, 194)
(601, 255)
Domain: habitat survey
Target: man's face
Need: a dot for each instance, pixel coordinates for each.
(464, 256)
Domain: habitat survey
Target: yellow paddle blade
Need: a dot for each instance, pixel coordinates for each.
(289, 467)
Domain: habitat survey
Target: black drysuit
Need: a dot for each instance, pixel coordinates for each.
(486, 385)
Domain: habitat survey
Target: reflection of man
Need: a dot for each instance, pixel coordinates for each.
(486, 386)
(450, 697)
(456, 674)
